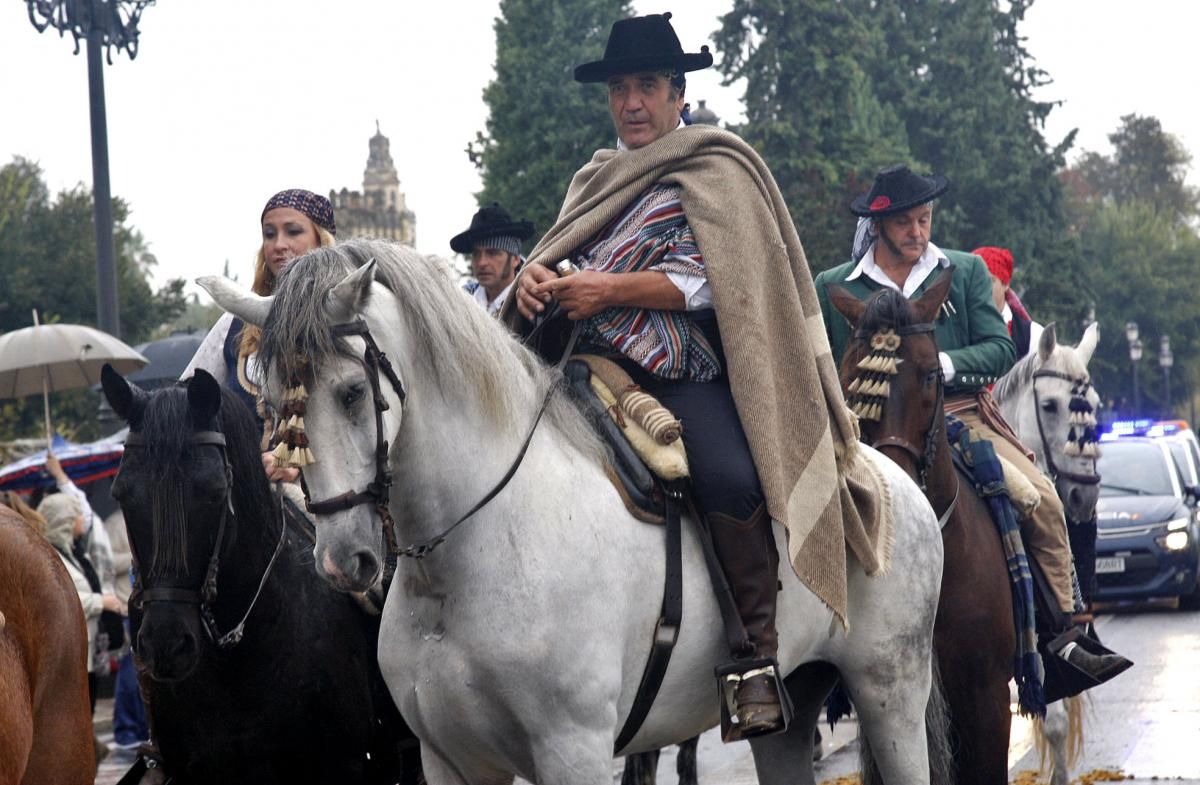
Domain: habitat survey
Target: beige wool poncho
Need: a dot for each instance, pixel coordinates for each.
(781, 372)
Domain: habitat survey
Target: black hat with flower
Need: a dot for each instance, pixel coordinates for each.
(897, 189)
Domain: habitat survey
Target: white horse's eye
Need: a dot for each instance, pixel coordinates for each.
(1050, 407)
(353, 394)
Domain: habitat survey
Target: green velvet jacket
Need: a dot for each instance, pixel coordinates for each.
(973, 333)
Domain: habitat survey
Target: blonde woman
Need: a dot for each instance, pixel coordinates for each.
(294, 222)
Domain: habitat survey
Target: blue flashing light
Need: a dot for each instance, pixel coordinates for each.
(1145, 427)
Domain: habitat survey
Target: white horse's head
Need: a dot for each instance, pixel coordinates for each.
(1036, 397)
(322, 291)
(470, 390)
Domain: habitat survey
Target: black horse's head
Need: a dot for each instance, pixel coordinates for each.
(891, 372)
(177, 489)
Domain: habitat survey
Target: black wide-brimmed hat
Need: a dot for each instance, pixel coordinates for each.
(897, 189)
(490, 221)
(643, 43)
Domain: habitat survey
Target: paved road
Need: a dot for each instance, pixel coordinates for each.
(1145, 724)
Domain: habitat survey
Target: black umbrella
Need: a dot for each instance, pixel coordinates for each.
(168, 358)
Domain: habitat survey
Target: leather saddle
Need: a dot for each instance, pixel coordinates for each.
(639, 464)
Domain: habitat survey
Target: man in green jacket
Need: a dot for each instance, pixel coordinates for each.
(892, 249)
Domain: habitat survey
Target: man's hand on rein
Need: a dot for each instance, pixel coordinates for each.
(582, 294)
(278, 473)
(530, 302)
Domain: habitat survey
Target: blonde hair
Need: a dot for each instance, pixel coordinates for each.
(34, 518)
(264, 285)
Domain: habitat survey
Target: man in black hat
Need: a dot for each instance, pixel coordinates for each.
(687, 259)
(892, 249)
(493, 242)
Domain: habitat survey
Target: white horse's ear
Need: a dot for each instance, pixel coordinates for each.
(1087, 344)
(1047, 343)
(348, 297)
(242, 303)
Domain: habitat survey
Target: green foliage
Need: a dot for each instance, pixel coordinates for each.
(812, 110)
(542, 125)
(47, 262)
(1134, 218)
(837, 89)
(1148, 165)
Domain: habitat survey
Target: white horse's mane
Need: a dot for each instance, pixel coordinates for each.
(457, 342)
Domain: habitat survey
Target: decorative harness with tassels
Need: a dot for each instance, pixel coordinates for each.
(206, 596)
(869, 392)
(1082, 438)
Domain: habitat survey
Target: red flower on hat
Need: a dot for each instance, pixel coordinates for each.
(880, 203)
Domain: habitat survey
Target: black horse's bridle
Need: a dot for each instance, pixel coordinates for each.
(377, 492)
(206, 596)
(1080, 386)
(923, 458)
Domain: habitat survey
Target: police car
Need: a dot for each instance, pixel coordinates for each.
(1148, 539)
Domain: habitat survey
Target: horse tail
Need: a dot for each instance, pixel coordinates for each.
(937, 738)
(1059, 738)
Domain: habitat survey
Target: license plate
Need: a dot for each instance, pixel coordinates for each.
(1110, 564)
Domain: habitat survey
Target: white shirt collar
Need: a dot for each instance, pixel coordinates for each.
(1006, 313)
(928, 262)
(493, 306)
(621, 145)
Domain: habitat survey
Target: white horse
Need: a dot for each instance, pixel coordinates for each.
(1041, 423)
(517, 646)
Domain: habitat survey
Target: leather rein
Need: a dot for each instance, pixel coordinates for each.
(206, 596)
(377, 492)
(1055, 472)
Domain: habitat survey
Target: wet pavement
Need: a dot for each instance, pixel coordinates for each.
(1142, 727)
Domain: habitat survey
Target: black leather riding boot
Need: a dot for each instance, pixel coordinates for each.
(746, 550)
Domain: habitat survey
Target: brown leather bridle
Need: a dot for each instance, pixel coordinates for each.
(377, 492)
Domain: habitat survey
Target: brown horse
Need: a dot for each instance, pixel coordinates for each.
(974, 638)
(45, 716)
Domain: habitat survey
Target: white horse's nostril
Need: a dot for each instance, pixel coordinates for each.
(330, 568)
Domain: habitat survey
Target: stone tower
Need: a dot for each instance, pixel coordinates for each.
(380, 209)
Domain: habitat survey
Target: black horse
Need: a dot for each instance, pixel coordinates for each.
(259, 672)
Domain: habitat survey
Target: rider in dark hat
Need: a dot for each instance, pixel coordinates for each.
(493, 242)
(892, 249)
(677, 229)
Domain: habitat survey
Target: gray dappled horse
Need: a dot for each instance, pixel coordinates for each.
(1042, 422)
(516, 647)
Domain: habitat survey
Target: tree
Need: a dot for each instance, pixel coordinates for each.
(47, 262)
(812, 110)
(1133, 215)
(543, 126)
(1148, 165)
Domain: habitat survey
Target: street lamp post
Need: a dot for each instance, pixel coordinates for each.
(1166, 359)
(103, 24)
(1135, 356)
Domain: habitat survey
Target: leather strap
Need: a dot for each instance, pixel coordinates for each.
(666, 632)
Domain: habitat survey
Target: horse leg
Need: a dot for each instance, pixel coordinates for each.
(891, 705)
(978, 698)
(787, 757)
(641, 768)
(685, 762)
(16, 717)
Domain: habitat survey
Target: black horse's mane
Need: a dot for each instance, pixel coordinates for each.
(886, 308)
(167, 428)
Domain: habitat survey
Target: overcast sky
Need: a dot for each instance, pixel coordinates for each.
(230, 101)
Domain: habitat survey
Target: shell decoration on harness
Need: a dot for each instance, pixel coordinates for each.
(292, 449)
(1082, 439)
(870, 389)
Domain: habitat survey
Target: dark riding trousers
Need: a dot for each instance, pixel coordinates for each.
(724, 479)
